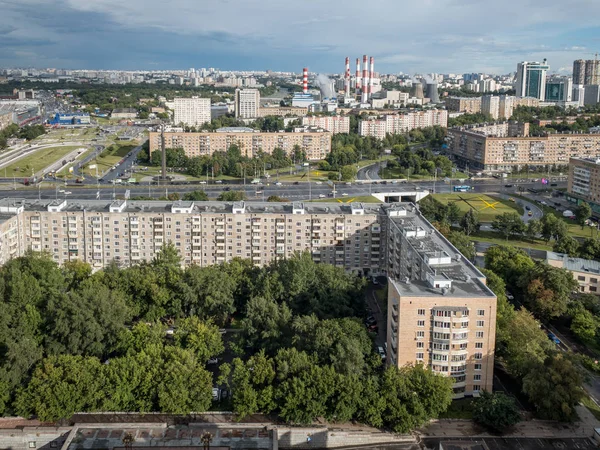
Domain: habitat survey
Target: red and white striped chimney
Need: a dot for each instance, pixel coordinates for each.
(365, 80)
(371, 76)
(357, 77)
(305, 80)
(347, 76)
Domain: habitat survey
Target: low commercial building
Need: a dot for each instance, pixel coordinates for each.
(440, 311)
(585, 271)
(70, 119)
(508, 146)
(334, 124)
(316, 145)
(402, 123)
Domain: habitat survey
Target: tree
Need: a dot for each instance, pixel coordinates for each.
(554, 387)
(348, 172)
(584, 325)
(547, 290)
(508, 262)
(462, 244)
(533, 230)
(553, 227)
(204, 339)
(590, 249)
(198, 196)
(583, 213)
(232, 196)
(277, 198)
(496, 411)
(566, 244)
(509, 224)
(470, 222)
(453, 213)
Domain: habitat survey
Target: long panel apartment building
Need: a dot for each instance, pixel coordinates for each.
(440, 312)
(316, 145)
(506, 146)
(402, 123)
(335, 124)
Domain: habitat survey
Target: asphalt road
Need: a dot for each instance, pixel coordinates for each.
(302, 191)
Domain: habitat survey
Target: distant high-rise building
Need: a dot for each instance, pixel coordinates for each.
(193, 111)
(531, 79)
(559, 89)
(247, 102)
(490, 105)
(586, 71)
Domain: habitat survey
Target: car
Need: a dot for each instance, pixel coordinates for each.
(259, 192)
(227, 189)
(553, 184)
(348, 183)
(219, 182)
(508, 185)
(530, 213)
(553, 338)
(527, 208)
(511, 199)
(278, 183)
(373, 328)
(321, 195)
(345, 194)
(318, 182)
(296, 183)
(509, 296)
(213, 361)
(203, 182)
(381, 352)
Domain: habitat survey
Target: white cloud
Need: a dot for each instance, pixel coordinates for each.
(427, 35)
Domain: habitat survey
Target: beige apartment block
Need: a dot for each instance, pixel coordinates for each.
(316, 145)
(501, 149)
(468, 105)
(334, 124)
(282, 111)
(402, 123)
(440, 311)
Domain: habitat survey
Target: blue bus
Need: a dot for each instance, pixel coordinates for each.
(464, 188)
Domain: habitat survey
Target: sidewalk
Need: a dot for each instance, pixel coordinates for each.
(450, 428)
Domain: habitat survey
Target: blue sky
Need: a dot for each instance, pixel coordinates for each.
(415, 36)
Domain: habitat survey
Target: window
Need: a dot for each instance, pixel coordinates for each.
(479, 334)
(421, 312)
(420, 334)
(420, 323)
(478, 356)
(481, 312)
(593, 289)
(419, 356)
(594, 280)
(478, 344)
(581, 278)
(476, 388)
(477, 377)
(480, 323)
(477, 366)
(420, 344)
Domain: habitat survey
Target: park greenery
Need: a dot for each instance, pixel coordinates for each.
(550, 379)
(469, 119)
(142, 338)
(28, 132)
(496, 411)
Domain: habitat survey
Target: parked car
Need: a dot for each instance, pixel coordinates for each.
(213, 361)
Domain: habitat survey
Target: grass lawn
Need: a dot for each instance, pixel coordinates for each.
(39, 160)
(591, 406)
(498, 239)
(109, 157)
(459, 409)
(360, 198)
(488, 207)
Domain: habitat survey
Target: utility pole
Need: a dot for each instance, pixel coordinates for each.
(164, 152)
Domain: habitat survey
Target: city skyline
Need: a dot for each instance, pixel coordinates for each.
(424, 37)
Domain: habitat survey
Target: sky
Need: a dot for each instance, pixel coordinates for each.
(417, 36)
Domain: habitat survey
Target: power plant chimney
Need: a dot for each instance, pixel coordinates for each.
(371, 76)
(357, 77)
(365, 81)
(432, 92)
(347, 76)
(305, 80)
(417, 90)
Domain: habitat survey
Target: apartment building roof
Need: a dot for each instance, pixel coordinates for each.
(10, 205)
(575, 264)
(443, 262)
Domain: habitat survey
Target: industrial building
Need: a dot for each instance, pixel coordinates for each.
(194, 111)
(70, 119)
(402, 123)
(247, 103)
(505, 146)
(440, 311)
(334, 124)
(316, 145)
